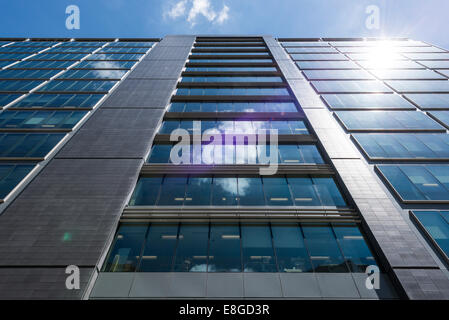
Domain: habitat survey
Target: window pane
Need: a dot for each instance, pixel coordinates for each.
(126, 249)
(146, 192)
(224, 252)
(250, 191)
(355, 250)
(191, 252)
(159, 248)
(257, 247)
(291, 253)
(277, 192)
(323, 248)
(366, 101)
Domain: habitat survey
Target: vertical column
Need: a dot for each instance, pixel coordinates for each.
(405, 258)
(68, 213)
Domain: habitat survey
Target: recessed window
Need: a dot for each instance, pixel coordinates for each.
(236, 247)
(304, 191)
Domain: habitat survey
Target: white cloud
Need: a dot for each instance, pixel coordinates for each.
(198, 8)
(223, 15)
(177, 10)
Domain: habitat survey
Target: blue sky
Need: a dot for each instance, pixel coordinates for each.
(417, 19)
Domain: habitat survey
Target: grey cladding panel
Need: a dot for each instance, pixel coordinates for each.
(168, 53)
(123, 119)
(39, 283)
(174, 40)
(66, 215)
(156, 69)
(133, 93)
(114, 133)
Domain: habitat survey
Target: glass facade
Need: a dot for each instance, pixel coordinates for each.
(239, 247)
(46, 89)
(398, 121)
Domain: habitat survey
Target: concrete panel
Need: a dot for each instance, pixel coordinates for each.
(262, 285)
(151, 285)
(188, 285)
(224, 285)
(337, 285)
(300, 285)
(112, 285)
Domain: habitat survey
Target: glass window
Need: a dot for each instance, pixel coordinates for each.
(233, 247)
(27, 74)
(311, 50)
(326, 65)
(17, 145)
(441, 116)
(338, 75)
(355, 250)
(404, 146)
(93, 74)
(233, 69)
(304, 193)
(191, 251)
(198, 191)
(257, 248)
(107, 65)
(436, 223)
(22, 86)
(393, 74)
(418, 182)
(304, 44)
(159, 248)
(146, 191)
(291, 252)
(42, 64)
(437, 64)
(250, 191)
(368, 86)
(126, 249)
(78, 86)
(40, 119)
(277, 192)
(427, 56)
(58, 101)
(230, 79)
(317, 56)
(114, 56)
(224, 191)
(389, 64)
(59, 56)
(328, 192)
(387, 121)
(419, 85)
(172, 191)
(323, 247)
(224, 250)
(366, 101)
(11, 175)
(7, 98)
(160, 153)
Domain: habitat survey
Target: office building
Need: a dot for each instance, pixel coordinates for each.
(88, 176)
